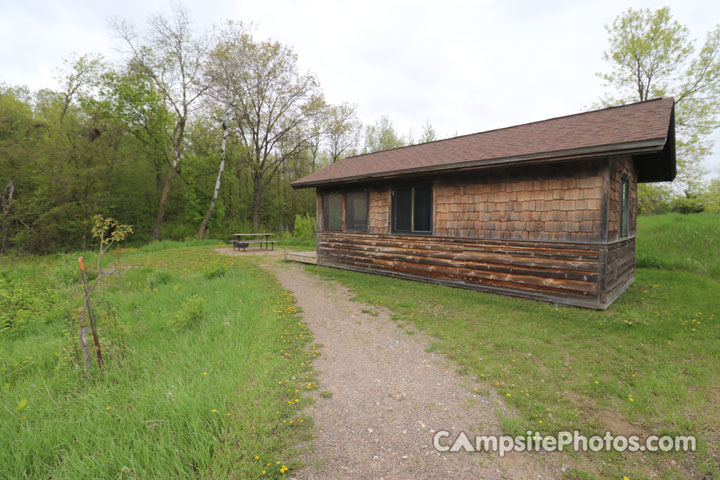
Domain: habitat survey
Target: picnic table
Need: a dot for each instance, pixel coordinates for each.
(244, 240)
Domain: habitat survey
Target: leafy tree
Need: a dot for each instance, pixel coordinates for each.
(428, 134)
(654, 198)
(711, 197)
(221, 169)
(652, 56)
(173, 57)
(382, 136)
(343, 131)
(271, 104)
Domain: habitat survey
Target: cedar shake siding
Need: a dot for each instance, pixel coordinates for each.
(560, 202)
(556, 227)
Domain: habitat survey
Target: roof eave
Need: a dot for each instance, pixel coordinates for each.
(640, 147)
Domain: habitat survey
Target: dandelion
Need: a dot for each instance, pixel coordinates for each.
(257, 458)
(283, 469)
(204, 373)
(507, 394)
(213, 410)
(107, 408)
(597, 383)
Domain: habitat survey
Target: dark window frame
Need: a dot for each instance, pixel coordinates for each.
(624, 207)
(394, 209)
(345, 225)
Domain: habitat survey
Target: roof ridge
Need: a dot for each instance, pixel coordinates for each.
(512, 126)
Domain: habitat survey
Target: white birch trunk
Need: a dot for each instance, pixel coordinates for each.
(216, 192)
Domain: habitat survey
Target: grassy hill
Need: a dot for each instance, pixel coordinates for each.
(680, 242)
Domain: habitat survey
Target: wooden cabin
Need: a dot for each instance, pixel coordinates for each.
(544, 210)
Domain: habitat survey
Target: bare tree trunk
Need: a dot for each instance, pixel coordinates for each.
(83, 330)
(166, 188)
(257, 196)
(88, 308)
(84, 344)
(7, 200)
(216, 192)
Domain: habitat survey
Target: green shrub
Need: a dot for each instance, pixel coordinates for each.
(191, 313)
(26, 306)
(216, 271)
(687, 204)
(157, 279)
(304, 227)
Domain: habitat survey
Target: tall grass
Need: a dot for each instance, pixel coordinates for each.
(680, 242)
(212, 397)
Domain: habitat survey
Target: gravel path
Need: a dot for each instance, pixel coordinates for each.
(389, 396)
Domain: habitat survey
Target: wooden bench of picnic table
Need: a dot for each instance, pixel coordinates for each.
(244, 240)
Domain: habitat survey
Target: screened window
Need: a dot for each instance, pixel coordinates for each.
(332, 211)
(356, 211)
(412, 209)
(624, 206)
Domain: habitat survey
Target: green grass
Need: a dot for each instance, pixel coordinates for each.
(659, 344)
(176, 400)
(564, 368)
(680, 242)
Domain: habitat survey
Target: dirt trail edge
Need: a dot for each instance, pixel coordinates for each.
(389, 396)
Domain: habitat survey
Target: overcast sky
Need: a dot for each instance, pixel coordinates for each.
(462, 66)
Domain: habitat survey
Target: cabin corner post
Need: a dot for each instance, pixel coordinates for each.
(602, 277)
(606, 173)
(605, 205)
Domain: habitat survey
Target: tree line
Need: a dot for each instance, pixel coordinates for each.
(652, 55)
(192, 134)
(198, 134)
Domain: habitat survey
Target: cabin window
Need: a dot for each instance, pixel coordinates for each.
(356, 211)
(332, 211)
(412, 209)
(354, 205)
(624, 206)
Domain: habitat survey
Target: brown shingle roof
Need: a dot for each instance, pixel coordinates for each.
(638, 127)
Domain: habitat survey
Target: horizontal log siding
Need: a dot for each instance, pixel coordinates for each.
(559, 202)
(619, 269)
(558, 272)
